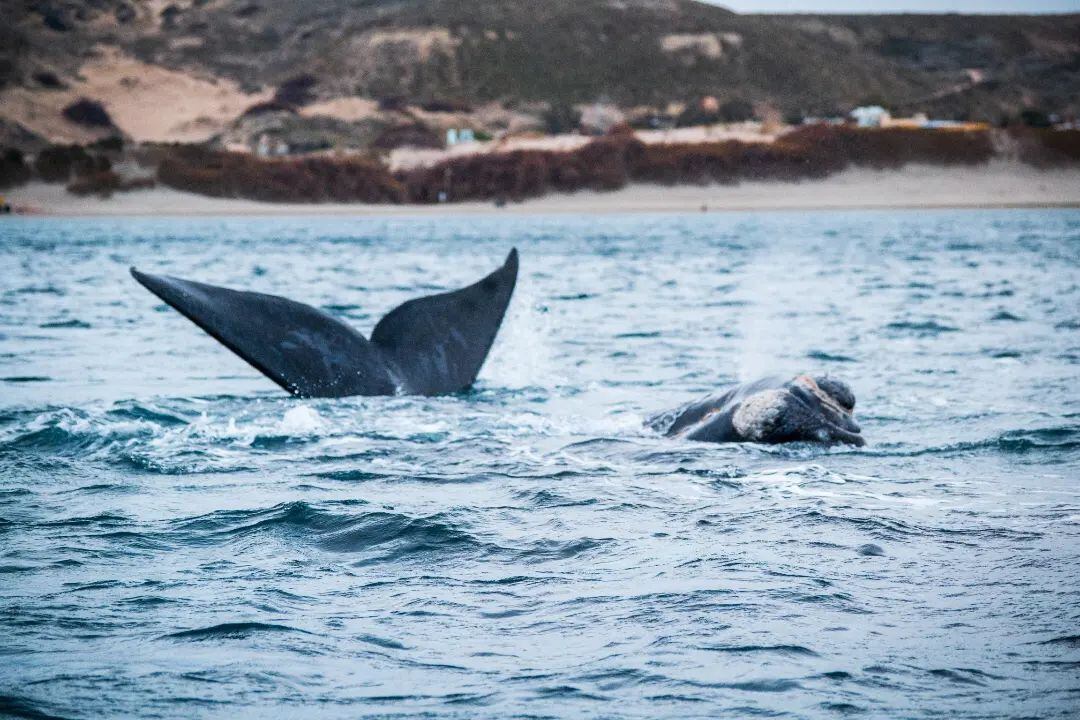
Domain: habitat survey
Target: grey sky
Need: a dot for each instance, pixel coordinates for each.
(888, 6)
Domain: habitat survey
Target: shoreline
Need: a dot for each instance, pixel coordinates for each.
(996, 185)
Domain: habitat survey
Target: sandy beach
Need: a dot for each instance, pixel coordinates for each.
(998, 184)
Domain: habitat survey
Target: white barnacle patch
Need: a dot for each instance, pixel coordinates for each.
(808, 382)
(759, 414)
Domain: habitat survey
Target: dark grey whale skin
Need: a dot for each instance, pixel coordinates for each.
(802, 414)
(432, 345)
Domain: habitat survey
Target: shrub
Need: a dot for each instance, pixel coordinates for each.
(89, 113)
(894, 147)
(613, 161)
(607, 163)
(48, 80)
(113, 143)
(697, 113)
(561, 119)
(444, 105)
(105, 183)
(169, 16)
(297, 91)
(53, 21)
(59, 163)
(308, 179)
(267, 106)
(414, 135)
(603, 164)
(736, 110)
(1044, 147)
(1036, 118)
(394, 103)
(13, 168)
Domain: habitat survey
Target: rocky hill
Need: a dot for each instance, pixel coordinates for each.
(203, 61)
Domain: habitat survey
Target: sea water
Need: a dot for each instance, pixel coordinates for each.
(178, 538)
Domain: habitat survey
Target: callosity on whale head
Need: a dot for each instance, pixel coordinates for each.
(771, 410)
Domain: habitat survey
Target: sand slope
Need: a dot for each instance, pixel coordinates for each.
(146, 102)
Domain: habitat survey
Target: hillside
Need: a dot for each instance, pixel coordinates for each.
(203, 61)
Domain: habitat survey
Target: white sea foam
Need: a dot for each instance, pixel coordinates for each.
(301, 420)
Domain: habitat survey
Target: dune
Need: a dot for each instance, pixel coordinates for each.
(148, 103)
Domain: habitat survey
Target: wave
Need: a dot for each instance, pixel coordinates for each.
(21, 707)
(1048, 439)
(69, 432)
(174, 437)
(924, 328)
(964, 676)
(1070, 641)
(66, 324)
(373, 535)
(895, 529)
(231, 631)
(829, 357)
(384, 534)
(796, 650)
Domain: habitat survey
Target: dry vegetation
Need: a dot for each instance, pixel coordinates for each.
(13, 168)
(106, 182)
(613, 162)
(60, 163)
(307, 179)
(1046, 148)
(607, 163)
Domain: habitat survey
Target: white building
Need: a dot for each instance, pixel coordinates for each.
(870, 116)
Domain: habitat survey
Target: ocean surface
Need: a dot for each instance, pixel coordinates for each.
(179, 539)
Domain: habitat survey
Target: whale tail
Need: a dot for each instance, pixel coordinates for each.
(428, 346)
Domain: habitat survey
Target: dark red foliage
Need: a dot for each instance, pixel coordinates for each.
(414, 135)
(13, 168)
(306, 179)
(59, 163)
(607, 163)
(105, 183)
(1044, 147)
(612, 162)
(895, 147)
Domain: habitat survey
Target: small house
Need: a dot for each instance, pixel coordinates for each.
(870, 116)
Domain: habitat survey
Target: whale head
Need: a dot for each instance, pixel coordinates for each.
(826, 409)
(802, 410)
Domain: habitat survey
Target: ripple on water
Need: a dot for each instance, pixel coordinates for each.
(230, 631)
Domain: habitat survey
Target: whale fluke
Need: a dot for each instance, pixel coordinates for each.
(439, 342)
(428, 346)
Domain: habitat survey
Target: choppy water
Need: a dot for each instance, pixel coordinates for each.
(178, 539)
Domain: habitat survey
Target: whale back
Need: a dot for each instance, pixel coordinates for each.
(306, 351)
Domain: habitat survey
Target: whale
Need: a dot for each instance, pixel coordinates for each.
(771, 410)
(432, 345)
